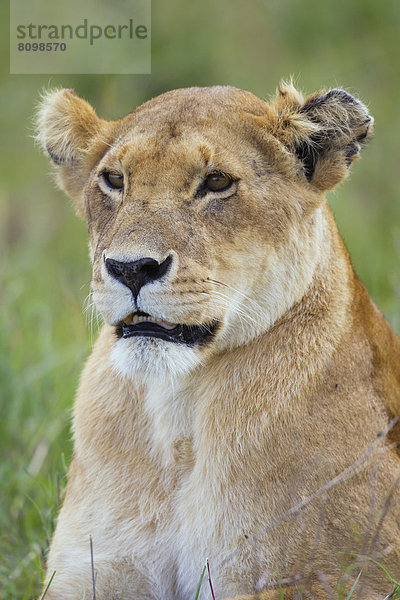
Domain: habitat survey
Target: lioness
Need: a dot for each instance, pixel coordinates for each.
(239, 403)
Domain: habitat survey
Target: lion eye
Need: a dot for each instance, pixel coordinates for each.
(114, 180)
(217, 182)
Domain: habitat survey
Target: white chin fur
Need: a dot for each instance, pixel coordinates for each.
(148, 360)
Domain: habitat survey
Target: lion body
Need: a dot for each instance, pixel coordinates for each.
(269, 447)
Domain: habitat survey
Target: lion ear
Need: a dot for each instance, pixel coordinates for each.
(325, 131)
(72, 135)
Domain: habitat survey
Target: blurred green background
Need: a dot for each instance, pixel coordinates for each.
(45, 273)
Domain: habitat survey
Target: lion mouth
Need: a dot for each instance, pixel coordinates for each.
(142, 324)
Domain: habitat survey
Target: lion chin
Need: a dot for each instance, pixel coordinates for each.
(147, 359)
(240, 402)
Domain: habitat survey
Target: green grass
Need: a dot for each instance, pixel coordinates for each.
(41, 356)
(44, 270)
(394, 582)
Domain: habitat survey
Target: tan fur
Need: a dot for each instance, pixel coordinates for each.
(268, 450)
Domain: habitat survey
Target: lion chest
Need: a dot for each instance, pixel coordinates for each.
(185, 509)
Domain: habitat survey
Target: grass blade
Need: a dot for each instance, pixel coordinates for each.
(93, 573)
(349, 595)
(384, 569)
(200, 582)
(47, 586)
(209, 579)
(280, 587)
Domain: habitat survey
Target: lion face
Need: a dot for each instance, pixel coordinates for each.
(203, 215)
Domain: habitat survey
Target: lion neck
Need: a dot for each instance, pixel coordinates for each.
(291, 353)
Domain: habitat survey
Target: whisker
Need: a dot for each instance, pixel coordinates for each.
(219, 302)
(190, 302)
(225, 301)
(252, 305)
(93, 318)
(230, 287)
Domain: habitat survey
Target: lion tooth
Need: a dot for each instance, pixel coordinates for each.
(168, 325)
(133, 319)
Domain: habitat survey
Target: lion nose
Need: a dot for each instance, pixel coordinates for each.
(137, 273)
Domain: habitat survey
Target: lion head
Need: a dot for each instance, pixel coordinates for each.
(205, 211)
